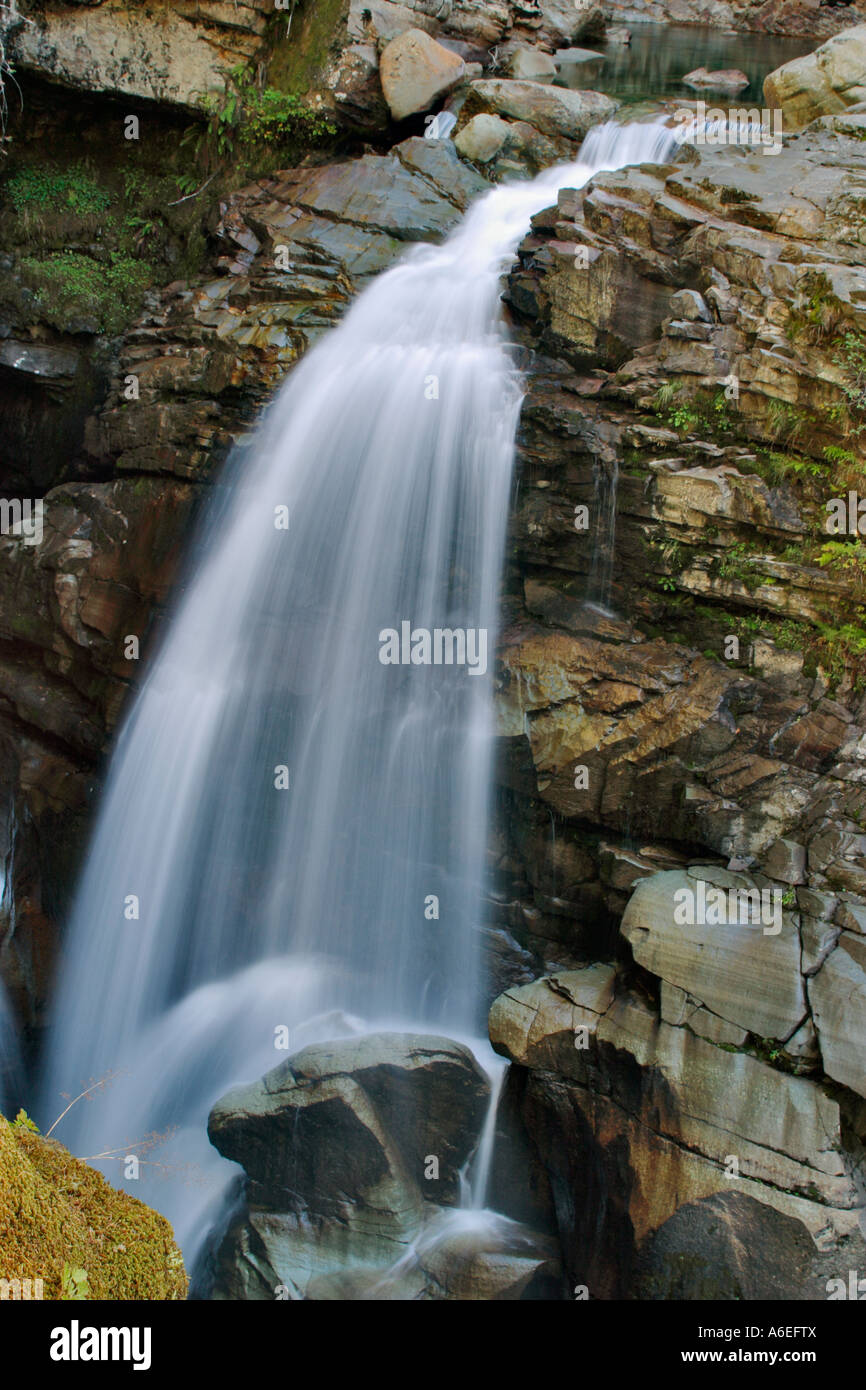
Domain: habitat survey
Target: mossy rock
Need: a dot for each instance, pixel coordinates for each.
(59, 1218)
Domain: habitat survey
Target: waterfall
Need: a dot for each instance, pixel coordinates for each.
(293, 828)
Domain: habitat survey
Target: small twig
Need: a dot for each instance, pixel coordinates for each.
(94, 1087)
(187, 197)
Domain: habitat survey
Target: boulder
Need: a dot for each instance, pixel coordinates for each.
(482, 138)
(415, 71)
(724, 80)
(732, 1247)
(822, 83)
(349, 1122)
(555, 111)
(531, 65)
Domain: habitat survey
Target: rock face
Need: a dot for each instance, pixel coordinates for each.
(415, 70)
(676, 1073)
(822, 83)
(177, 53)
(797, 18)
(386, 1102)
(62, 1224)
(354, 1152)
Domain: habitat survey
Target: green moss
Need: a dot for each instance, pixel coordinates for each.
(74, 292)
(301, 56)
(61, 1222)
(40, 187)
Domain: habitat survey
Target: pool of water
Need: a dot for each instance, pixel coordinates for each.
(660, 55)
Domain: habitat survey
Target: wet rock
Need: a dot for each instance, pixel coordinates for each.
(554, 111)
(822, 83)
(730, 1246)
(338, 1122)
(351, 1148)
(656, 1120)
(536, 1025)
(415, 70)
(723, 80)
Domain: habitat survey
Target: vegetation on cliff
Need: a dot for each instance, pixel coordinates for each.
(61, 1222)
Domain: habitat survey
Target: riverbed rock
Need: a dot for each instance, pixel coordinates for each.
(554, 111)
(822, 83)
(354, 1151)
(531, 65)
(722, 80)
(415, 70)
(339, 1121)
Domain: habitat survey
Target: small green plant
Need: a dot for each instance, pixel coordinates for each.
(23, 1121)
(851, 355)
(74, 1283)
(246, 120)
(45, 187)
(733, 564)
(816, 313)
(77, 293)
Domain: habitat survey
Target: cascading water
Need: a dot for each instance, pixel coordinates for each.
(283, 809)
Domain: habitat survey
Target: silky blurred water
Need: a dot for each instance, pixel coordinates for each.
(219, 905)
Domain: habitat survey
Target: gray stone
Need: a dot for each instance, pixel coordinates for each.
(415, 70)
(837, 994)
(552, 110)
(747, 977)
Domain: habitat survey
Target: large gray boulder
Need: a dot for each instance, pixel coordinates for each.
(732, 1247)
(415, 70)
(354, 1122)
(822, 83)
(555, 111)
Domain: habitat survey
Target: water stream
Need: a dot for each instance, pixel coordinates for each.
(293, 829)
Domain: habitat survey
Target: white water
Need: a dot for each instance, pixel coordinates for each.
(306, 907)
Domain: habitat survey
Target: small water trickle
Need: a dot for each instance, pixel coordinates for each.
(600, 584)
